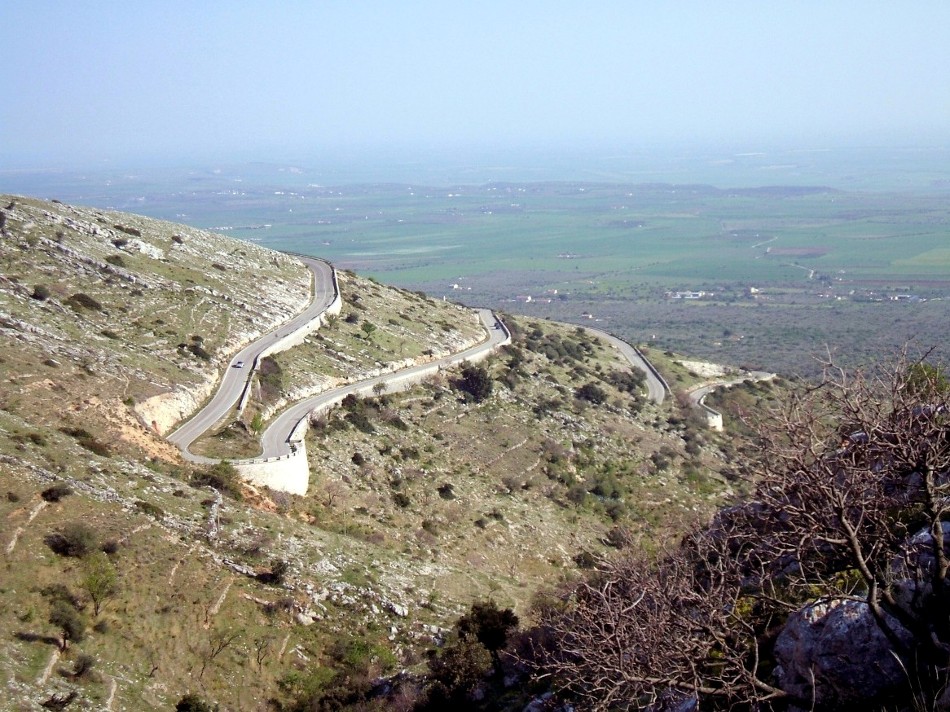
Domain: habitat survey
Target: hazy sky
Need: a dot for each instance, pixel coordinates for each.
(128, 80)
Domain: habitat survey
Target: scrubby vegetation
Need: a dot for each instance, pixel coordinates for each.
(539, 483)
(846, 518)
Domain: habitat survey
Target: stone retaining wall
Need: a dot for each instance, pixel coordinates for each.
(289, 473)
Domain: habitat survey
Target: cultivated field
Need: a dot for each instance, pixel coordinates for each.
(784, 272)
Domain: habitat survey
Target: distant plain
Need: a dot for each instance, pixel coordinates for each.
(803, 253)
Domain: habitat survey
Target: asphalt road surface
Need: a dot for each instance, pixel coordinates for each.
(275, 438)
(234, 379)
(697, 394)
(656, 391)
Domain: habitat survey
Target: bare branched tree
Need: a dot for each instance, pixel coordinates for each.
(218, 641)
(851, 503)
(638, 629)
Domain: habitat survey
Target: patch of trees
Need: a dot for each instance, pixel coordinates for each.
(347, 678)
(362, 413)
(592, 393)
(632, 382)
(98, 579)
(467, 673)
(515, 365)
(358, 413)
(560, 350)
(826, 589)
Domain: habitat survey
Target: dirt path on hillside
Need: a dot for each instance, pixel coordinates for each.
(213, 611)
(19, 530)
(44, 676)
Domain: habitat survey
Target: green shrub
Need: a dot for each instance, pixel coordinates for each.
(592, 393)
(153, 510)
(276, 574)
(359, 420)
(99, 579)
(40, 292)
(86, 440)
(194, 703)
(60, 592)
(475, 383)
(71, 624)
(222, 476)
(80, 301)
(56, 492)
(455, 674)
(82, 666)
(198, 350)
(74, 539)
(488, 624)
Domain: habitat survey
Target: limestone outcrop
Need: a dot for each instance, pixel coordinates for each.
(834, 654)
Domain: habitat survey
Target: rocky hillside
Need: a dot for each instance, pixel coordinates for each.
(129, 581)
(101, 309)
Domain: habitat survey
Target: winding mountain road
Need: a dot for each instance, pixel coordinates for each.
(656, 388)
(235, 379)
(696, 395)
(276, 439)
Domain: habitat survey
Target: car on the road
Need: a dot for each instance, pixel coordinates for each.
(239, 364)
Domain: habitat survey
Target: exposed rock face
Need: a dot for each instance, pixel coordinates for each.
(914, 589)
(163, 412)
(835, 654)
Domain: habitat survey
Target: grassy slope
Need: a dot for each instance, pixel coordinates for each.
(452, 501)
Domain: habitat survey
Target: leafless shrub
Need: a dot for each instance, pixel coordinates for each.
(852, 502)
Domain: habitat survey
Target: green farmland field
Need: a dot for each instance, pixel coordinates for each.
(787, 273)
